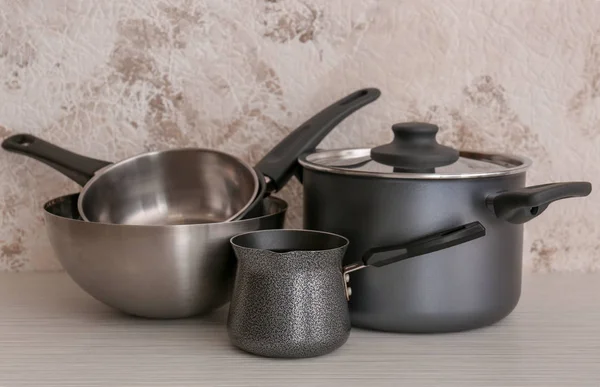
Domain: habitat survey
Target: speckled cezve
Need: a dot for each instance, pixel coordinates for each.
(289, 304)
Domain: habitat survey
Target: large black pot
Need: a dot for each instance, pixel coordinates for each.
(409, 188)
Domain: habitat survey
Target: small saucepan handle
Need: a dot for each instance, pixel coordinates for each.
(280, 164)
(382, 256)
(522, 205)
(76, 167)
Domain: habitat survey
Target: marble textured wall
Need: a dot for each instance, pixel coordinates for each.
(114, 78)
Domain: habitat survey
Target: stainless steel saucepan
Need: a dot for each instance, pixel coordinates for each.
(174, 186)
(188, 185)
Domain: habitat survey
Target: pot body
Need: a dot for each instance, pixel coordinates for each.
(463, 287)
(152, 271)
(289, 305)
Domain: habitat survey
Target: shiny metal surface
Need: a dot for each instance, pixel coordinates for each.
(172, 187)
(358, 162)
(347, 270)
(289, 297)
(151, 271)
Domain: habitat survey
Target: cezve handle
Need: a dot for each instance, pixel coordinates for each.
(78, 168)
(280, 163)
(522, 205)
(441, 240)
(382, 256)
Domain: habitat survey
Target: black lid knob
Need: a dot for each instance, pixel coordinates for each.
(414, 147)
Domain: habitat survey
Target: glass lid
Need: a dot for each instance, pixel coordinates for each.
(415, 154)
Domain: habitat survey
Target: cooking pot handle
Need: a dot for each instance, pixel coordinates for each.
(382, 256)
(522, 205)
(78, 168)
(280, 164)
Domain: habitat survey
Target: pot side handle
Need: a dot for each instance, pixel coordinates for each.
(522, 205)
(383, 256)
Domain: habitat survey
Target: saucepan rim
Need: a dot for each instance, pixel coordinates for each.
(101, 175)
(284, 206)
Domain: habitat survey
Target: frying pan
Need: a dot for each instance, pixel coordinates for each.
(185, 185)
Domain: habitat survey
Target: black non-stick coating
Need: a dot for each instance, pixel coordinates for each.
(466, 286)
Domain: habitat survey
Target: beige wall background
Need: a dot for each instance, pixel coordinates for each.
(113, 78)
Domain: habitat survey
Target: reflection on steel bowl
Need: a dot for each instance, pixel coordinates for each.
(170, 271)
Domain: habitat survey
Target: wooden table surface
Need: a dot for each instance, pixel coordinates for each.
(54, 334)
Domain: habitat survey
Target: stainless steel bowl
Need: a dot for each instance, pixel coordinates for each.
(172, 271)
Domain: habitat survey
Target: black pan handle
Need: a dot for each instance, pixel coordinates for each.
(280, 163)
(382, 256)
(78, 168)
(522, 205)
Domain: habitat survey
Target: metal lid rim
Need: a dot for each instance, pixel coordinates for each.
(525, 164)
